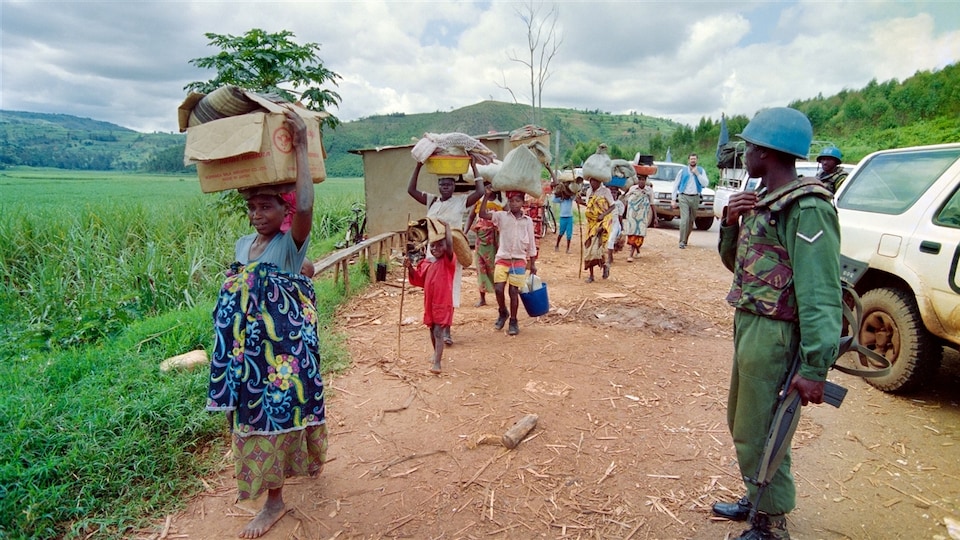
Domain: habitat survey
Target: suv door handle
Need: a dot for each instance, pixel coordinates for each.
(933, 248)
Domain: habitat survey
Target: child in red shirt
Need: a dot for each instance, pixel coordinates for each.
(436, 278)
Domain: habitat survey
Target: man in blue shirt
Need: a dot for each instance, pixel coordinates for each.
(687, 186)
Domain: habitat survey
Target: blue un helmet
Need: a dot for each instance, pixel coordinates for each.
(780, 128)
(831, 151)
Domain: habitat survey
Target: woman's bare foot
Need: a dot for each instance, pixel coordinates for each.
(271, 512)
(435, 369)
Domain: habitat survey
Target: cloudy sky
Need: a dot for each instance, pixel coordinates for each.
(127, 62)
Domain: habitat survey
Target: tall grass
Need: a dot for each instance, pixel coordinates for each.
(94, 439)
(76, 273)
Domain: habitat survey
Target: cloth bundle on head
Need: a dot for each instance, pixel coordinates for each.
(599, 165)
(520, 172)
(451, 144)
(417, 233)
(567, 189)
(621, 168)
(512, 194)
(528, 131)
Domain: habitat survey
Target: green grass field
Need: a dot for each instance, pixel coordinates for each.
(52, 188)
(104, 276)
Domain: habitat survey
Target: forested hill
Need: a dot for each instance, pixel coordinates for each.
(57, 140)
(923, 109)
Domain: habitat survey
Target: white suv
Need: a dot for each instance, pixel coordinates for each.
(662, 182)
(900, 215)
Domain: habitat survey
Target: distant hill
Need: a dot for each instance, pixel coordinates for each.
(567, 126)
(69, 142)
(923, 109)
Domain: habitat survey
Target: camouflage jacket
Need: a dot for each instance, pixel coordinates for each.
(763, 271)
(833, 180)
(785, 257)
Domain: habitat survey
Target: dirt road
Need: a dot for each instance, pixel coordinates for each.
(628, 377)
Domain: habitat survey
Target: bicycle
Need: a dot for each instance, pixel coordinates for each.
(355, 229)
(549, 219)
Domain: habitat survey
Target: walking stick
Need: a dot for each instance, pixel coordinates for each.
(403, 288)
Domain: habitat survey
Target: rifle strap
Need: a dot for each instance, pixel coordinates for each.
(853, 316)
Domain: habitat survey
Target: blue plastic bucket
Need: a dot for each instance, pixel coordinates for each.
(618, 181)
(536, 302)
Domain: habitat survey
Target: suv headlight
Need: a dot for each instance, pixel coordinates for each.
(708, 198)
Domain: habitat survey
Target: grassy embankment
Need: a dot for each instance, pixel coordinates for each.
(102, 276)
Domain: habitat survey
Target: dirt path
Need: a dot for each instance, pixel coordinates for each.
(629, 379)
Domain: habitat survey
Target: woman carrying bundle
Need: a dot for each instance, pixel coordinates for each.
(487, 242)
(600, 206)
(640, 211)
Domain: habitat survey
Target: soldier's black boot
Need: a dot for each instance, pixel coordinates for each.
(734, 511)
(766, 527)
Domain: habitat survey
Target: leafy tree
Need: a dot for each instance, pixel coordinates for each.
(270, 63)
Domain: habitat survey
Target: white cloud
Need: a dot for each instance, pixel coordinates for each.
(127, 62)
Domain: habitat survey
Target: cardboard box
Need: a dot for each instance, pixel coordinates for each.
(252, 149)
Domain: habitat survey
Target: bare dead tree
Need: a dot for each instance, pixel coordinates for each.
(543, 42)
(505, 87)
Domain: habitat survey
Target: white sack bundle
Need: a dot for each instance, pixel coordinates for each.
(598, 165)
(487, 172)
(520, 171)
(541, 151)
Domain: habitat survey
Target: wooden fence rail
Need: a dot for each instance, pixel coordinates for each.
(372, 250)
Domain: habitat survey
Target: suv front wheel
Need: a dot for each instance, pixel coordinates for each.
(892, 327)
(703, 223)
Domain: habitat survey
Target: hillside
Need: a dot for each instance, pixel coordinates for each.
(923, 109)
(69, 142)
(568, 125)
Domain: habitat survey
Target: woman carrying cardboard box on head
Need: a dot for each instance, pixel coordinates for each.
(265, 366)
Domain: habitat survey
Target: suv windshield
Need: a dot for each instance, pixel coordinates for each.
(666, 172)
(891, 183)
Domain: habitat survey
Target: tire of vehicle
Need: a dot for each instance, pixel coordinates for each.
(703, 223)
(892, 327)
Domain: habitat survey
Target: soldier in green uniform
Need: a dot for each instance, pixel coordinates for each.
(782, 244)
(831, 173)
